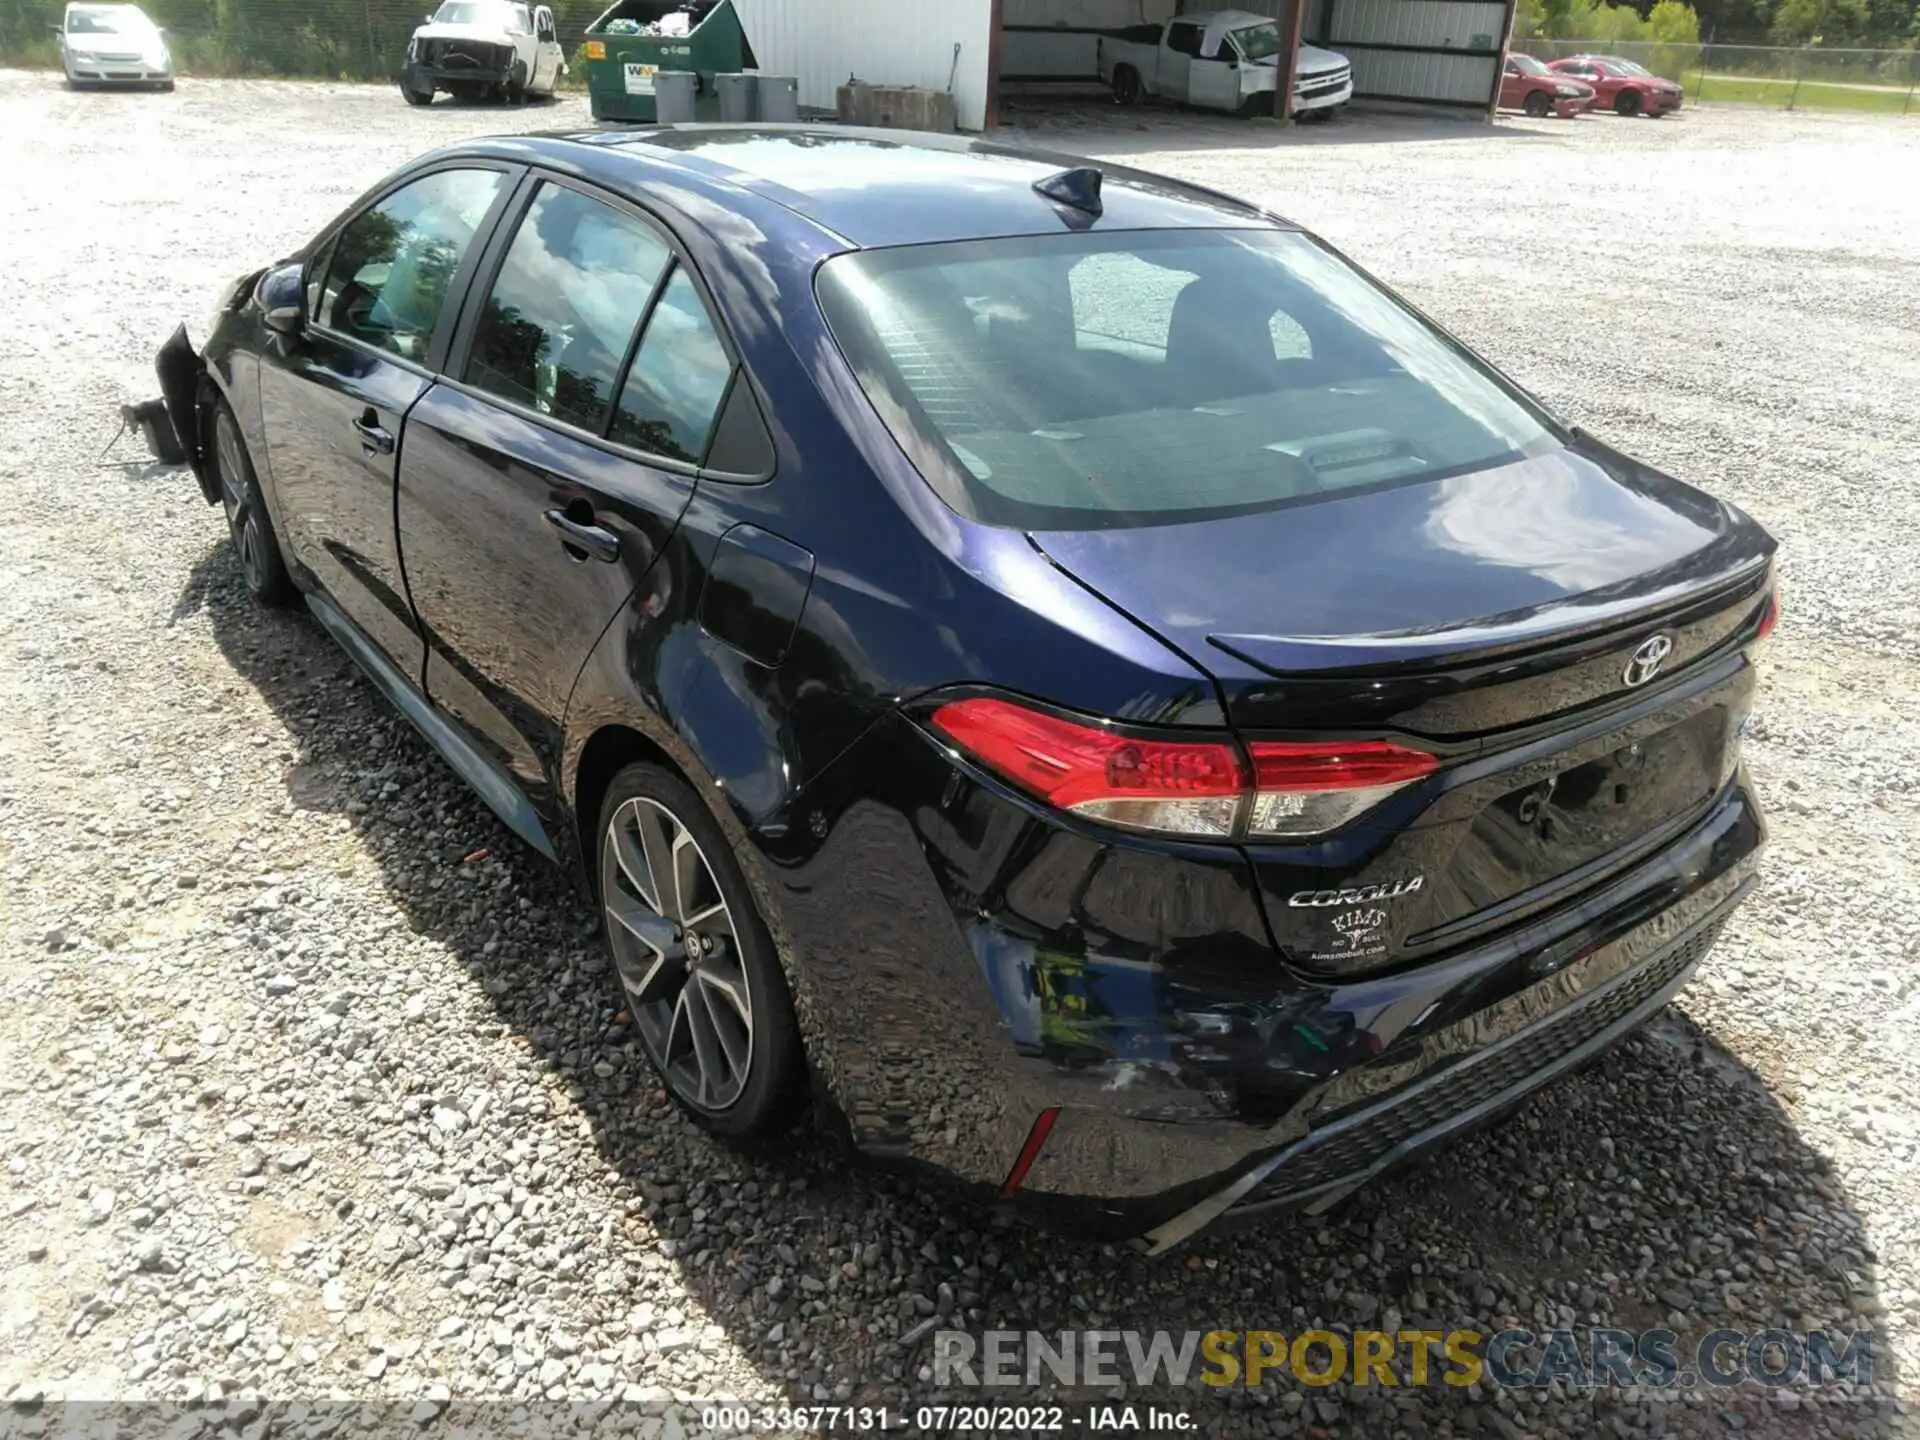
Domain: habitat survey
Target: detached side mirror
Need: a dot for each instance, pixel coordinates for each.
(56, 29)
(285, 320)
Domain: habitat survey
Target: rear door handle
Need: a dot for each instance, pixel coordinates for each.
(375, 439)
(600, 543)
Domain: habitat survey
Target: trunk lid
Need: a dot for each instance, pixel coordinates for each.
(1492, 617)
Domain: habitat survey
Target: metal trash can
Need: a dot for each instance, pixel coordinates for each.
(779, 99)
(674, 93)
(738, 94)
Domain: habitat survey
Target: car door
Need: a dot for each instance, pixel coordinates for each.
(1174, 76)
(1513, 87)
(381, 297)
(546, 51)
(543, 477)
(1214, 80)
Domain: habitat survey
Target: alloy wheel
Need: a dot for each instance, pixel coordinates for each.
(243, 517)
(677, 953)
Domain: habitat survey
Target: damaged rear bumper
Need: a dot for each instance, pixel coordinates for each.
(181, 371)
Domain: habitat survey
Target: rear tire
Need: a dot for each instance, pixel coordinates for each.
(1627, 102)
(248, 523)
(697, 969)
(1127, 88)
(1537, 104)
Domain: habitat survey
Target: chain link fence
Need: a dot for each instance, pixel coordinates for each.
(1810, 77)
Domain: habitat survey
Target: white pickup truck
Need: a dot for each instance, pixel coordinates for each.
(1221, 60)
(484, 49)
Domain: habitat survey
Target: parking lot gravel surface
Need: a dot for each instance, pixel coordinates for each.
(311, 1078)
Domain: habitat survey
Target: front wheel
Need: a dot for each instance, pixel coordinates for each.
(415, 94)
(1538, 104)
(1126, 86)
(697, 966)
(254, 543)
(1627, 102)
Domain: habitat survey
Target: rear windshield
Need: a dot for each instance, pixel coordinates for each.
(1089, 381)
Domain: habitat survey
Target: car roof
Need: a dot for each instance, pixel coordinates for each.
(874, 188)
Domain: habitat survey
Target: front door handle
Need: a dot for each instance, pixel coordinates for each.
(579, 535)
(375, 439)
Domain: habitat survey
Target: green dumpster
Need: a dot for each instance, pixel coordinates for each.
(622, 58)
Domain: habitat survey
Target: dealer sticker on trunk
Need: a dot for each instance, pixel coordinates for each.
(640, 79)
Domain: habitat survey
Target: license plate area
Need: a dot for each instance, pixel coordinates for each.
(1559, 821)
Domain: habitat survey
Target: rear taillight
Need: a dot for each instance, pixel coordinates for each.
(1182, 787)
(1311, 789)
(1198, 787)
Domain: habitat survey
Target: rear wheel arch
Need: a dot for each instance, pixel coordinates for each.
(608, 751)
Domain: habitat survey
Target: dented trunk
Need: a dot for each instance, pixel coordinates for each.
(1566, 634)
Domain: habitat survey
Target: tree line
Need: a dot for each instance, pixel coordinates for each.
(1863, 24)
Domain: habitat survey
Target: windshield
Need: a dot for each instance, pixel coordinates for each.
(511, 18)
(108, 20)
(1258, 42)
(1527, 65)
(1088, 381)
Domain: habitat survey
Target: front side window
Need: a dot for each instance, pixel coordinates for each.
(1087, 381)
(387, 282)
(564, 306)
(1258, 42)
(1184, 38)
(679, 377)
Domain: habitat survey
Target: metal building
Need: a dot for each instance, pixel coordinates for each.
(939, 44)
(1441, 53)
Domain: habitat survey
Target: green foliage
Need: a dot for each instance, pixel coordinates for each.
(1672, 23)
(1819, 22)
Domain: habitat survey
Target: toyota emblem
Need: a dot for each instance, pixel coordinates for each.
(1647, 660)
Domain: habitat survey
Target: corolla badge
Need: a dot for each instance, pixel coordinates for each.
(1647, 660)
(1356, 895)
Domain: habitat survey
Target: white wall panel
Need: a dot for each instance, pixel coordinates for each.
(884, 42)
(1444, 24)
(1404, 75)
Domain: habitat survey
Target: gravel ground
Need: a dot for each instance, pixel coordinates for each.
(309, 1078)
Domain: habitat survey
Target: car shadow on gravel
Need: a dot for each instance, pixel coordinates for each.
(1665, 1186)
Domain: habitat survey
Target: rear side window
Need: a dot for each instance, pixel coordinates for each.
(563, 309)
(1087, 381)
(678, 379)
(387, 282)
(1184, 39)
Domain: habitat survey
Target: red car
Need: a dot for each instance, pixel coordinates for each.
(1621, 85)
(1527, 84)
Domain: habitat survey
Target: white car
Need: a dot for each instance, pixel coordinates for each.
(113, 45)
(483, 50)
(1222, 60)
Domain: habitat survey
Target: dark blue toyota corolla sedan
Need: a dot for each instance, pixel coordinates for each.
(1051, 664)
